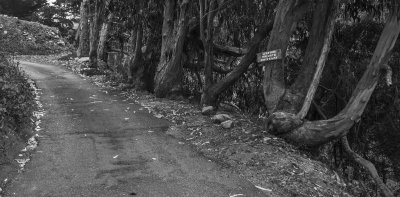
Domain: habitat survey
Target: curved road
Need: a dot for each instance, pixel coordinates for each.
(96, 144)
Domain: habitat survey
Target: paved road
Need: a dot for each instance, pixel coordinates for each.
(94, 143)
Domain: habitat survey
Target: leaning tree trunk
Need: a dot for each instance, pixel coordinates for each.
(209, 96)
(288, 13)
(169, 72)
(314, 59)
(311, 133)
(83, 46)
(101, 52)
(370, 167)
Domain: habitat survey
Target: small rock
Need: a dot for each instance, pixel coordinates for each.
(220, 118)
(266, 139)
(227, 124)
(208, 110)
(83, 59)
(61, 43)
(89, 71)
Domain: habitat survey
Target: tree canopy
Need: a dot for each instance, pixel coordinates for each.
(20, 8)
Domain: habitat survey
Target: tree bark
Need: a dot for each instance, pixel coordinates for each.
(311, 133)
(77, 35)
(206, 36)
(303, 90)
(169, 71)
(229, 50)
(368, 166)
(95, 30)
(288, 13)
(137, 57)
(129, 55)
(101, 52)
(83, 46)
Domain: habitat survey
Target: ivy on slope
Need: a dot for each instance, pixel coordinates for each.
(29, 38)
(16, 96)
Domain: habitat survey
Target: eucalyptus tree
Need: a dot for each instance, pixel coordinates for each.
(168, 76)
(288, 107)
(83, 31)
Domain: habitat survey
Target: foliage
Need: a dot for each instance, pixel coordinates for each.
(20, 8)
(25, 37)
(55, 16)
(376, 136)
(16, 95)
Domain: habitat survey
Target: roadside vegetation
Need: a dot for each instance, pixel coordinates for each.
(17, 106)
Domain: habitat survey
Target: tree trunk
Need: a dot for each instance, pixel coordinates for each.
(114, 61)
(133, 69)
(169, 72)
(77, 34)
(128, 58)
(311, 133)
(83, 46)
(206, 36)
(305, 86)
(288, 13)
(94, 31)
(101, 53)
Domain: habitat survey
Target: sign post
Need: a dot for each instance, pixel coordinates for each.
(269, 55)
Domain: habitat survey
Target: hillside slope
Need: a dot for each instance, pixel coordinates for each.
(28, 38)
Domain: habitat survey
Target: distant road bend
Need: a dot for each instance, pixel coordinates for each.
(94, 143)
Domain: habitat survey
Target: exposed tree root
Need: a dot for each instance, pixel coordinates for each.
(368, 166)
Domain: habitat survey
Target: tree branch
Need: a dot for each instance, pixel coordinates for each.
(201, 66)
(231, 51)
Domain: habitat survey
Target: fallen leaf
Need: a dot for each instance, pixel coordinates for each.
(159, 116)
(264, 189)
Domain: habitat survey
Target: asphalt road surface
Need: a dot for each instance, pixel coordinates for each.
(94, 143)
